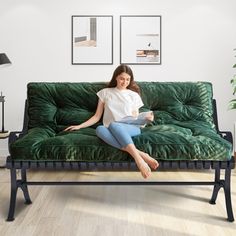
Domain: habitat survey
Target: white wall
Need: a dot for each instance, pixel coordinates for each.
(198, 37)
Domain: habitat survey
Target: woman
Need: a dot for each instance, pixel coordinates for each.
(120, 99)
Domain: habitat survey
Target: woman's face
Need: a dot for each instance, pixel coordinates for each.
(123, 80)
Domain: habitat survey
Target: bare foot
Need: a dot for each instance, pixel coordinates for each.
(149, 160)
(144, 168)
(139, 160)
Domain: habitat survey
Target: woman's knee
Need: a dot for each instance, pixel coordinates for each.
(105, 134)
(100, 130)
(131, 130)
(114, 126)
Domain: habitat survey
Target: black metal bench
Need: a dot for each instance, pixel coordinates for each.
(23, 166)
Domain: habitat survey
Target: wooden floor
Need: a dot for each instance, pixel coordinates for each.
(117, 210)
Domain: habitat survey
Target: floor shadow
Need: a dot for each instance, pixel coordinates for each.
(153, 206)
(136, 227)
(184, 195)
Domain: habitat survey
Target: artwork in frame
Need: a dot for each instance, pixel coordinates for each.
(92, 39)
(140, 40)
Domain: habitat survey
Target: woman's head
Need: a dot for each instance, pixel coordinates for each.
(123, 76)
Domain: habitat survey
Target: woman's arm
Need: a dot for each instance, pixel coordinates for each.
(93, 120)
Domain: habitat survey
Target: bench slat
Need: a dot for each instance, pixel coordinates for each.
(87, 166)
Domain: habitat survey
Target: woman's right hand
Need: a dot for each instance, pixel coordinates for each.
(150, 116)
(72, 127)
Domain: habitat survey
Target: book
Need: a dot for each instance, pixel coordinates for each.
(141, 119)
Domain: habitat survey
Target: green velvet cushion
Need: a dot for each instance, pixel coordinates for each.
(183, 128)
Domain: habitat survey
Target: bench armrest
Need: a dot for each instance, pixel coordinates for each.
(227, 135)
(14, 135)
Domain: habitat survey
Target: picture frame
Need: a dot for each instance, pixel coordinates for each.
(92, 39)
(140, 39)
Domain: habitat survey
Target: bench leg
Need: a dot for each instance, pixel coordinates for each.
(225, 184)
(228, 195)
(15, 184)
(24, 187)
(217, 186)
(14, 188)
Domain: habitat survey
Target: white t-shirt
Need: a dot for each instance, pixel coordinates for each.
(118, 104)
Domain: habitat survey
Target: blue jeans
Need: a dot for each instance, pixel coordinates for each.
(118, 135)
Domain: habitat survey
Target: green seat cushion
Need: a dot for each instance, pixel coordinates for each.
(183, 128)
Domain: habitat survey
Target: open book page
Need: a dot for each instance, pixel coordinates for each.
(141, 119)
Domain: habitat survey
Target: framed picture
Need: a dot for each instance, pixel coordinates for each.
(92, 39)
(140, 40)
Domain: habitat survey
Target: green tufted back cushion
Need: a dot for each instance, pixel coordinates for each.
(181, 101)
(57, 105)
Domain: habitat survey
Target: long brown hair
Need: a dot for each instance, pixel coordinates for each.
(124, 69)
